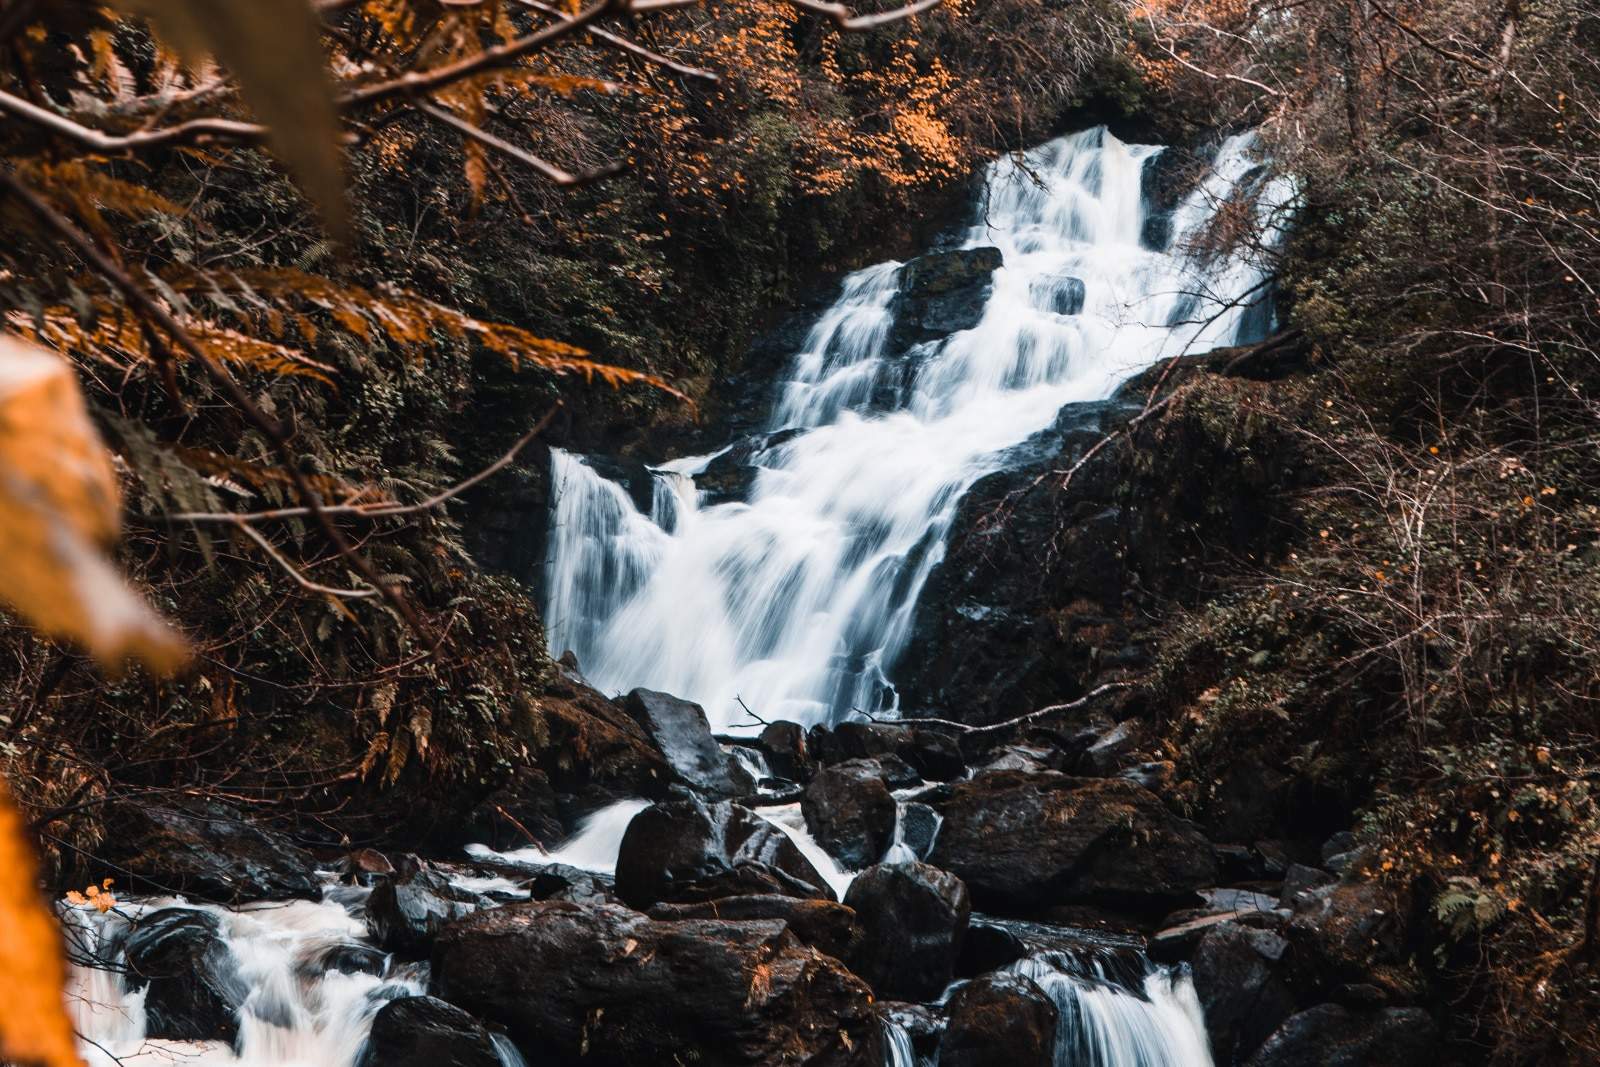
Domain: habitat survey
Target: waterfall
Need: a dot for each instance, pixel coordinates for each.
(300, 1008)
(1107, 1024)
(798, 598)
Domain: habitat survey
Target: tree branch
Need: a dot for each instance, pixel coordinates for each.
(846, 20)
(992, 727)
(484, 137)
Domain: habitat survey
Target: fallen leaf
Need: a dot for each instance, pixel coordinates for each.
(59, 508)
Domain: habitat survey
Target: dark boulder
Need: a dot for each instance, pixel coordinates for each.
(1000, 1018)
(194, 989)
(558, 881)
(427, 1032)
(607, 987)
(941, 293)
(1353, 933)
(687, 850)
(1329, 1035)
(827, 926)
(507, 816)
(1023, 841)
(364, 866)
(680, 729)
(1239, 977)
(407, 911)
(914, 919)
(204, 849)
(850, 811)
(932, 755)
(785, 746)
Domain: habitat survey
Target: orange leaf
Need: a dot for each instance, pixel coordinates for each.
(59, 506)
(34, 1027)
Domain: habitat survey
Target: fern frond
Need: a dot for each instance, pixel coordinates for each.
(109, 334)
(411, 320)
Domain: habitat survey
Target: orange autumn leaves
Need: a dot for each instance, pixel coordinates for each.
(59, 508)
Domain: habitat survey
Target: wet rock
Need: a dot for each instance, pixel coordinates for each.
(1021, 841)
(824, 925)
(1155, 775)
(680, 729)
(1352, 933)
(999, 1019)
(988, 946)
(1329, 1035)
(194, 988)
(1032, 759)
(922, 1023)
(206, 850)
(364, 866)
(1239, 977)
(1111, 750)
(347, 957)
(1061, 294)
(850, 811)
(686, 851)
(941, 293)
(914, 918)
(608, 987)
(427, 1032)
(1298, 879)
(407, 911)
(934, 756)
(785, 746)
(919, 828)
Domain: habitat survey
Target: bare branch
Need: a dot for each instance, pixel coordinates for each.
(484, 137)
(843, 18)
(293, 572)
(632, 47)
(377, 511)
(992, 727)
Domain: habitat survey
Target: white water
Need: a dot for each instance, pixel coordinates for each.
(593, 848)
(800, 599)
(1106, 1025)
(296, 1014)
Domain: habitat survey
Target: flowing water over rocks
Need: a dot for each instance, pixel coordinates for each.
(746, 907)
(794, 594)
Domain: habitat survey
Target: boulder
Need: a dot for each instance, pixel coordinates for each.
(1352, 933)
(1298, 879)
(1239, 977)
(850, 811)
(607, 987)
(941, 293)
(679, 728)
(405, 912)
(1329, 1035)
(193, 988)
(507, 817)
(1000, 1018)
(934, 756)
(427, 1032)
(204, 849)
(558, 881)
(914, 919)
(1022, 841)
(827, 926)
(364, 866)
(785, 746)
(689, 850)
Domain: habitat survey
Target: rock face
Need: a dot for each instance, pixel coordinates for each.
(932, 755)
(850, 811)
(784, 743)
(1332, 1036)
(1352, 933)
(1023, 841)
(601, 985)
(680, 729)
(687, 850)
(194, 988)
(207, 850)
(941, 293)
(408, 910)
(914, 919)
(1239, 977)
(999, 1019)
(828, 927)
(427, 1032)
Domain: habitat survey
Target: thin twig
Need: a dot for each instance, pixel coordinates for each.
(484, 137)
(293, 572)
(626, 45)
(376, 511)
(1052, 709)
(850, 22)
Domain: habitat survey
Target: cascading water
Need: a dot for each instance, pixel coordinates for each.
(799, 599)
